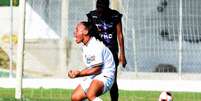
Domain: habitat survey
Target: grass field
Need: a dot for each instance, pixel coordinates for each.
(64, 95)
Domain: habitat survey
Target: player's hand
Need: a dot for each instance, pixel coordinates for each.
(73, 73)
(122, 60)
(70, 75)
(76, 73)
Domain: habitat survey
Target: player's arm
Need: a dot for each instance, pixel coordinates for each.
(89, 17)
(96, 69)
(122, 58)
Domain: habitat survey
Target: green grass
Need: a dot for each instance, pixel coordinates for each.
(64, 95)
(7, 2)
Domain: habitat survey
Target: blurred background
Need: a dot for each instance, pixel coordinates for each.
(162, 38)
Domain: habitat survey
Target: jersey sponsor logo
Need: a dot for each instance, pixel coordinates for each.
(104, 28)
(106, 36)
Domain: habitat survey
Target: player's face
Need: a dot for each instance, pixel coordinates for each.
(78, 34)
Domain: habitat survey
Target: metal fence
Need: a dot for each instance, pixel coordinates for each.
(162, 35)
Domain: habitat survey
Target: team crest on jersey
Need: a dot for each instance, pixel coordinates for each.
(89, 59)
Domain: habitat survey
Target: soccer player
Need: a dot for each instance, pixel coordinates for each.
(108, 23)
(100, 65)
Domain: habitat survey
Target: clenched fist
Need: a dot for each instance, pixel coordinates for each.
(73, 73)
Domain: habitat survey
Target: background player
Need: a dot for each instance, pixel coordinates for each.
(109, 26)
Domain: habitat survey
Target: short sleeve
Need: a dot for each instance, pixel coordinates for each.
(89, 16)
(117, 16)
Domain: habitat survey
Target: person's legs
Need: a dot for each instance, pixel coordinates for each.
(78, 94)
(114, 93)
(94, 90)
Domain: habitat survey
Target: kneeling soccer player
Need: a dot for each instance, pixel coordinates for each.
(100, 65)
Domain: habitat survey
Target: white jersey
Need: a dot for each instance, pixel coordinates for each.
(96, 53)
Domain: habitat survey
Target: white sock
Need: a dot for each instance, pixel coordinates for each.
(97, 99)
